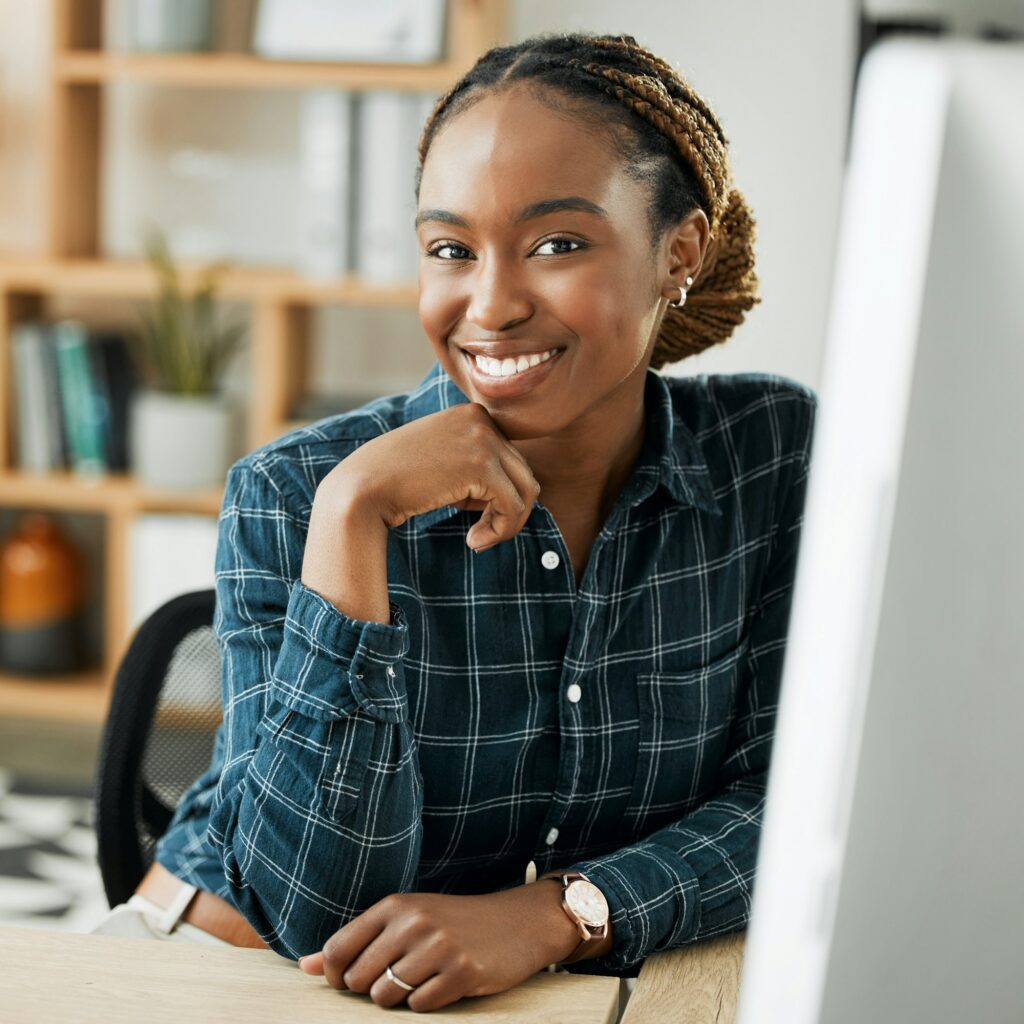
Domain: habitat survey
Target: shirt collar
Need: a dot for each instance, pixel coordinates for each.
(671, 456)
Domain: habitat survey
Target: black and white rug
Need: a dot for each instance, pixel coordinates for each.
(49, 877)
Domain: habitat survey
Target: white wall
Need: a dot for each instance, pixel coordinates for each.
(778, 76)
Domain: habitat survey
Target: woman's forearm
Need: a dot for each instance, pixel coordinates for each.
(346, 555)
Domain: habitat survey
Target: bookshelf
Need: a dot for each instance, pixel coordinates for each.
(71, 264)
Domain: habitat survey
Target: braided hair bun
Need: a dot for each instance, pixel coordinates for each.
(669, 138)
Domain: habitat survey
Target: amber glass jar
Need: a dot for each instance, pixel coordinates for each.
(42, 598)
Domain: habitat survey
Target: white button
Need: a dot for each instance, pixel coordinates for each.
(574, 692)
(551, 837)
(550, 559)
(391, 672)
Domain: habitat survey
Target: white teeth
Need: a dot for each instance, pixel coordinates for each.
(508, 367)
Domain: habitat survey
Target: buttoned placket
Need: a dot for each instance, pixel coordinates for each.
(582, 638)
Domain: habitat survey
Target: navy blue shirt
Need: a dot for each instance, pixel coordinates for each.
(621, 728)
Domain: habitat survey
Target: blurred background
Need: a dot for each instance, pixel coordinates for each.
(206, 240)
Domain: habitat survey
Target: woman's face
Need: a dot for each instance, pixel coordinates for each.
(532, 238)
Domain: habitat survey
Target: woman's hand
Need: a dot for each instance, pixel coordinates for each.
(457, 456)
(447, 946)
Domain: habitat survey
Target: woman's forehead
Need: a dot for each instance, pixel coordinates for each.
(518, 150)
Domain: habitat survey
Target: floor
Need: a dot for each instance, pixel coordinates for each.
(48, 872)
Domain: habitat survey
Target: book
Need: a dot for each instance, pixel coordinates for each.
(36, 419)
(171, 554)
(116, 378)
(80, 400)
(325, 154)
(388, 125)
(386, 31)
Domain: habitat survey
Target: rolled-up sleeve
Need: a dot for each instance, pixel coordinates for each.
(317, 812)
(693, 878)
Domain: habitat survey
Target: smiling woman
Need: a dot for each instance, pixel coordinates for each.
(581, 679)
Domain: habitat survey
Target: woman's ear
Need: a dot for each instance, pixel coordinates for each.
(684, 247)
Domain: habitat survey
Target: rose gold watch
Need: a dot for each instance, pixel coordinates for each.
(586, 907)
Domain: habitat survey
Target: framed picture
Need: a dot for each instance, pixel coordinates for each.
(385, 31)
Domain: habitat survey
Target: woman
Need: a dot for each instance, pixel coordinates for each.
(426, 706)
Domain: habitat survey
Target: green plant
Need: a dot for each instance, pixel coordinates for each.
(183, 348)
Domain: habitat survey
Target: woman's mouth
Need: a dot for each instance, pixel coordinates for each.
(510, 378)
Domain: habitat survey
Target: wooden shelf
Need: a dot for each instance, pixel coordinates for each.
(113, 492)
(73, 698)
(69, 264)
(133, 279)
(244, 71)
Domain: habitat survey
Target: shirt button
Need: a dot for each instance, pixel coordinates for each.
(574, 692)
(550, 559)
(551, 837)
(391, 672)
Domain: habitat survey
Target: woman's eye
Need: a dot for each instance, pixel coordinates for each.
(457, 252)
(557, 242)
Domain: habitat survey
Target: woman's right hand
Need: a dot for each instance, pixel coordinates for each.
(457, 456)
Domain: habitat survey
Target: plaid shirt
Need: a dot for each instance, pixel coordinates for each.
(621, 729)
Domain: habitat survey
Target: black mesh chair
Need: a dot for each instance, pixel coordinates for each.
(158, 736)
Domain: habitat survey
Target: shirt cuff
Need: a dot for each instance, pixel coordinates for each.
(331, 664)
(653, 902)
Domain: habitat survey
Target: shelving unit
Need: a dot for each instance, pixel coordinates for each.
(281, 301)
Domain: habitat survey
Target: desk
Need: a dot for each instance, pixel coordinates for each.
(696, 984)
(60, 976)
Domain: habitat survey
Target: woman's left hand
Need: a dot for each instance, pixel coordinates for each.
(447, 946)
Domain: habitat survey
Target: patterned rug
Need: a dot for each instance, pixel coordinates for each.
(48, 872)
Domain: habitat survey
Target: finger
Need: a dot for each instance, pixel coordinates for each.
(521, 475)
(414, 969)
(348, 942)
(313, 963)
(438, 991)
(500, 519)
(369, 965)
(493, 527)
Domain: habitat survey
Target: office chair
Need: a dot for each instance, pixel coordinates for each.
(158, 737)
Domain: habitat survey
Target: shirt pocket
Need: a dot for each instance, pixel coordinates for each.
(319, 764)
(684, 724)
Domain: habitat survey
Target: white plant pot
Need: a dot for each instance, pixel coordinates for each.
(182, 441)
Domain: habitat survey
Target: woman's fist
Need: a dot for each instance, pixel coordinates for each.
(457, 456)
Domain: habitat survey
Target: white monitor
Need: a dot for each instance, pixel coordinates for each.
(890, 882)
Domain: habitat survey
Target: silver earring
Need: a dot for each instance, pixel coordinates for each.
(682, 294)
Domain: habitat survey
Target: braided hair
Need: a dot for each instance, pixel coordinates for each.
(669, 139)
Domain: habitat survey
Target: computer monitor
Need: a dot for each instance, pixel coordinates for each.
(890, 882)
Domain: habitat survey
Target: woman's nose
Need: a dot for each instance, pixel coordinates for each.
(497, 300)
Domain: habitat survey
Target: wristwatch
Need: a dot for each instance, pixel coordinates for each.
(586, 907)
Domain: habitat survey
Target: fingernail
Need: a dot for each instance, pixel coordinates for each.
(301, 958)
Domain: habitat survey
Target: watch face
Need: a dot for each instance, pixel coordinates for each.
(586, 900)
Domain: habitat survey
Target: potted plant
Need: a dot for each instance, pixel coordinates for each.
(183, 429)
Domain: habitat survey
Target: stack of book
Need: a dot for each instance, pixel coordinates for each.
(357, 197)
(72, 390)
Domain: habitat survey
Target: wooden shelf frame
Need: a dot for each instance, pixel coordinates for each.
(282, 301)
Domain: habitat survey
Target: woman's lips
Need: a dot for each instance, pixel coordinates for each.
(514, 385)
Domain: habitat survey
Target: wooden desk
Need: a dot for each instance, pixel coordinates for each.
(698, 984)
(59, 976)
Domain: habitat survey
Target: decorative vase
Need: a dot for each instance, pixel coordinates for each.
(42, 599)
(182, 441)
(171, 25)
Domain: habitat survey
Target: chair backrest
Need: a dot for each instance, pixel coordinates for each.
(158, 737)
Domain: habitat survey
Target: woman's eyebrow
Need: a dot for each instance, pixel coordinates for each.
(538, 209)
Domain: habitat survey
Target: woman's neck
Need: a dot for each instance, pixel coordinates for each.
(582, 471)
